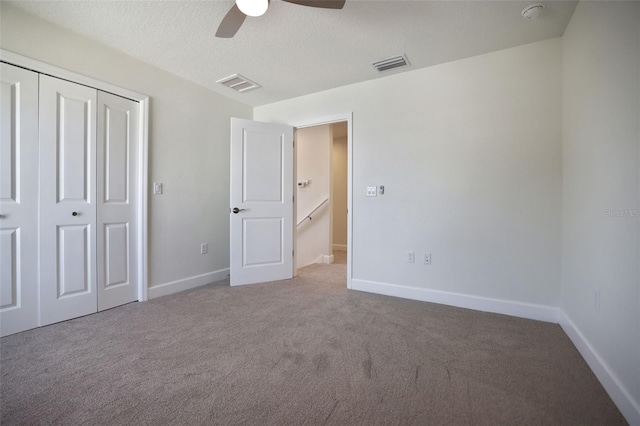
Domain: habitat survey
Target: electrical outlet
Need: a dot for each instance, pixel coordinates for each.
(372, 191)
(411, 257)
(426, 259)
(204, 248)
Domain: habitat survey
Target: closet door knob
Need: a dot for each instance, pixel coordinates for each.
(75, 214)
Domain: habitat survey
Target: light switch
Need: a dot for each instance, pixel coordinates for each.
(157, 188)
(372, 191)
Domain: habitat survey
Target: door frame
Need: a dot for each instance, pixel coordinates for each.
(348, 117)
(143, 101)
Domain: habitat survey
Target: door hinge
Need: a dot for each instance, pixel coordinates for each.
(293, 253)
(294, 198)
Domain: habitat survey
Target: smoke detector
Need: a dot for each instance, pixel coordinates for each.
(532, 11)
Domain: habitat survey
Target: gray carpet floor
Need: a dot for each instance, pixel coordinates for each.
(304, 351)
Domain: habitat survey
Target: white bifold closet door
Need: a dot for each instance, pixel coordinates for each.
(67, 200)
(88, 146)
(18, 199)
(118, 150)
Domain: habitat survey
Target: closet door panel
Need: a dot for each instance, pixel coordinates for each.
(73, 146)
(72, 264)
(67, 200)
(118, 146)
(18, 199)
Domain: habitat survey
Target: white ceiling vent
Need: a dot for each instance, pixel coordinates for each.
(389, 63)
(239, 83)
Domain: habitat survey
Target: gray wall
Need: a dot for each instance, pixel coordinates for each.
(339, 196)
(470, 156)
(601, 116)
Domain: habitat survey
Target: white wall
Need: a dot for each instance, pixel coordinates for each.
(188, 147)
(313, 163)
(339, 192)
(601, 231)
(470, 156)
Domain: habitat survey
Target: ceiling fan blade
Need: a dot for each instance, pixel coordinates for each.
(325, 4)
(231, 23)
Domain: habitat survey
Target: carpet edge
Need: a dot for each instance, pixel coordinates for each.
(187, 283)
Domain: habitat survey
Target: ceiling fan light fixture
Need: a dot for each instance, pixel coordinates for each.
(253, 7)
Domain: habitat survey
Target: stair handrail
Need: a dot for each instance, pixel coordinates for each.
(313, 211)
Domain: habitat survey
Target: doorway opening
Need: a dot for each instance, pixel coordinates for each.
(322, 194)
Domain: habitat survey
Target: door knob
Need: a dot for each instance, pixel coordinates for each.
(75, 214)
(237, 210)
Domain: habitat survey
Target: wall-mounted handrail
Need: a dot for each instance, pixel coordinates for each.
(313, 211)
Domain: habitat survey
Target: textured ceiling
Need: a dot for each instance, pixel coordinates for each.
(294, 50)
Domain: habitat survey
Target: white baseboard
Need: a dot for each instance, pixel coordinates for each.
(629, 408)
(324, 258)
(187, 283)
(340, 247)
(498, 306)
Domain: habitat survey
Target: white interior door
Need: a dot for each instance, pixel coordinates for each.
(261, 202)
(18, 199)
(67, 200)
(117, 192)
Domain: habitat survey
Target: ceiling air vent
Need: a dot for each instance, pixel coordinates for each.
(239, 83)
(389, 63)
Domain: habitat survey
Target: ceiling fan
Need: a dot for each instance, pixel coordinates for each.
(235, 17)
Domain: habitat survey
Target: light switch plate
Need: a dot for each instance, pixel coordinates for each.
(157, 188)
(372, 191)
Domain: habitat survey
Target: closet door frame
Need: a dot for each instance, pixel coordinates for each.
(143, 133)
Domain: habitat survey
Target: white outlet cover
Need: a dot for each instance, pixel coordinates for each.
(372, 191)
(411, 258)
